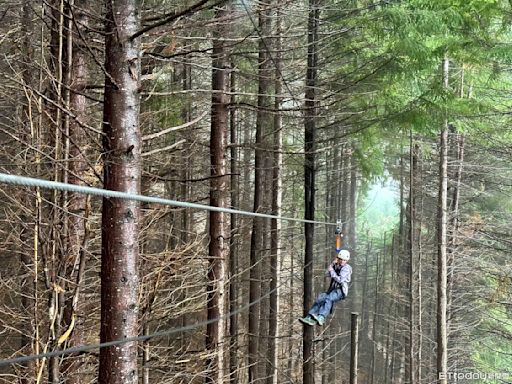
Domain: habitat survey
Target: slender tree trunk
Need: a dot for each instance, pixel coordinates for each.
(146, 355)
(401, 231)
(265, 101)
(218, 250)
(186, 218)
(77, 203)
(454, 208)
(28, 254)
(337, 176)
(390, 315)
(454, 217)
(412, 278)
(395, 285)
(442, 339)
(233, 241)
(186, 171)
(403, 278)
(275, 233)
(354, 350)
(309, 184)
(58, 67)
(265, 274)
(419, 293)
(353, 206)
(120, 217)
(27, 307)
(345, 188)
(402, 359)
(374, 321)
(257, 242)
(364, 293)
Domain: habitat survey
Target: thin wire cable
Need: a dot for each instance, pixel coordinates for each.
(90, 347)
(113, 343)
(46, 184)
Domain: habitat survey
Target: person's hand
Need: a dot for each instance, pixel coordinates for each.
(331, 268)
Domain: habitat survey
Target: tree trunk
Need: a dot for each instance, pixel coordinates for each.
(418, 219)
(354, 344)
(451, 241)
(77, 203)
(442, 356)
(403, 278)
(390, 309)
(218, 249)
(28, 252)
(364, 293)
(186, 172)
(120, 217)
(454, 219)
(374, 320)
(412, 300)
(58, 66)
(309, 184)
(401, 231)
(345, 188)
(233, 241)
(275, 233)
(395, 289)
(353, 206)
(265, 273)
(257, 243)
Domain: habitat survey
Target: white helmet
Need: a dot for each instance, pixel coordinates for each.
(344, 254)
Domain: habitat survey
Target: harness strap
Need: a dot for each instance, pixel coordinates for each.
(334, 284)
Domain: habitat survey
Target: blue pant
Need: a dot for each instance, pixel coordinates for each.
(324, 302)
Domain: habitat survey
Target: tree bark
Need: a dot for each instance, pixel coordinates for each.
(395, 288)
(412, 250)
(28, 254)
(420, 302)
(275, 233)
(353, 206)
(389, 305)
(257, 243)
(442, 345)
(417, 172)
(309, 184)
(233, 240)
(186, 218)
(59, 68)
(364, 293)
(345, 190)
(454, 220)
(120, 217)
(458, 139)
(374, 320)
(218, 249)
(77, 203)
(354, 344)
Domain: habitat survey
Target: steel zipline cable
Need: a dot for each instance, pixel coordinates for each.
(47, 184)
(53, 185)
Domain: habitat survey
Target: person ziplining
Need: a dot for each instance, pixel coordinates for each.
(340, 273)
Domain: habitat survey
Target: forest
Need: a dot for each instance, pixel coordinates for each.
(173, 176)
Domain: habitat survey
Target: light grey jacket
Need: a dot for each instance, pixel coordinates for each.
(343, 277)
